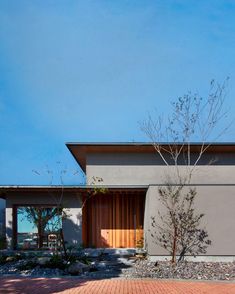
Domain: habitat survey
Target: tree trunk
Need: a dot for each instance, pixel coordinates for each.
(173, 259)
(63, 243)
(40, 231)
(182, 254)
(40, 236)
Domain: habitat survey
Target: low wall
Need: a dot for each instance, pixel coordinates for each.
(218, 205)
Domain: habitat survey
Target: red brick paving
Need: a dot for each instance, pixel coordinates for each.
(112, 286)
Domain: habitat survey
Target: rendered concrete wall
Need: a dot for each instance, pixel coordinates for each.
(218, 204)
(2, 217)
(145, 169)
(72, 225)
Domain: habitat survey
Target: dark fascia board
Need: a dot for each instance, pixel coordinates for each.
(4, 190)
(146, 143)
(69, 186)
(79, 150)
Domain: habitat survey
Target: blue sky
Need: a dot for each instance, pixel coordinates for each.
(90, 70)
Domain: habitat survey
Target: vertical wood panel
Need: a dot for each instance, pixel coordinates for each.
(131, 224)
(128, 221)
(125, 220)
(122, 220)
(84, 223)
(117, 240)
(114, 221)
(110, 220)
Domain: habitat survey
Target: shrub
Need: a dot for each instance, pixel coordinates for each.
(31, 264)
(56, 261)
(2, 243)
(3, 259)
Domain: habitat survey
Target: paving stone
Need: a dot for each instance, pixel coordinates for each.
(107, 286)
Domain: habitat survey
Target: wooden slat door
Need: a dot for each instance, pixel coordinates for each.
(114, 221)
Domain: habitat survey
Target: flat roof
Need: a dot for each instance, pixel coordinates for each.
(4, 189)
(79, 150)
(85, 187)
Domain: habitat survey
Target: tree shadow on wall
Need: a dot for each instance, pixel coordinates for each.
(72, 231)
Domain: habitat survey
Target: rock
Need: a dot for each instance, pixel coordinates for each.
(92, 253)
(139, 255)
(77, 268)
(43, 260)
(10, 259)
(156, 263)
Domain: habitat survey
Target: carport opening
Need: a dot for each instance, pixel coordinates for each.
(37, 227)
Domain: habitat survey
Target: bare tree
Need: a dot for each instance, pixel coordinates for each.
(40, 216)
(193, 118)
(95, 189)
(179, 230)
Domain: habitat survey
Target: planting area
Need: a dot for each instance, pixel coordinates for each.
(100, 265)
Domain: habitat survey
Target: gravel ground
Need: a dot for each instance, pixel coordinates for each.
(130, 268)
(11, 268)
(183, 270)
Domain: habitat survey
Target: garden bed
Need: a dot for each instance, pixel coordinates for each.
(104, 265)
(182, 270)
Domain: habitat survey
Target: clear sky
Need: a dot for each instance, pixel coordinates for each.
(90, 70)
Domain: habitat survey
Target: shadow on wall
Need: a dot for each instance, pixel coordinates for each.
(2, 217)
(9, 235)
(131, 159)
(73, 231)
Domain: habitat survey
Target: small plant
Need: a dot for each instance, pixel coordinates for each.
(31, 264)
(56, 261)
(140, 238)
(2, 243)
(72, 258)
(84, 259)
(140, 243)
(142, 255)
(74, 253)
(3, 259)
(19, 256)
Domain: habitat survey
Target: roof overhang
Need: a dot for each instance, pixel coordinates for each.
(4, 190)
(80, 150)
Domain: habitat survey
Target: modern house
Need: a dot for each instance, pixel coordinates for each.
(120, 217)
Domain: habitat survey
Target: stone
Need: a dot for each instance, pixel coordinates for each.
(94, 253)
(77, 268)
(43, 260)
(10, 259)
(101, 264)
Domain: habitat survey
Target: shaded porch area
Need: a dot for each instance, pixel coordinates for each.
(114, 219)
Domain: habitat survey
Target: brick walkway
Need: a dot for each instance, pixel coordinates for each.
(73, 285)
